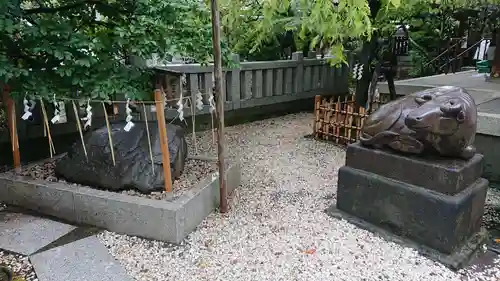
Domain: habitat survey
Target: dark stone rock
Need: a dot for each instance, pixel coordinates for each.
(133, 162)
(442, 222)
(444, 175)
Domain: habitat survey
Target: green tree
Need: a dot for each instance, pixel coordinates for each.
(88, 48)
(335, 23)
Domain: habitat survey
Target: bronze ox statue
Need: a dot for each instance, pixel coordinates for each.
(441, 120)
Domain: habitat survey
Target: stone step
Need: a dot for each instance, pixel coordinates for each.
(25, 234)
(83, 260)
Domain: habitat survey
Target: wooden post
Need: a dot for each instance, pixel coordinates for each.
(11, 118)
(220, 99)
(317, 104)
(162, 127)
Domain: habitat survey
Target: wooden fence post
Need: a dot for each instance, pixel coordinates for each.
(162, 127)
(11, 119)
(299, 74)
(234, 90)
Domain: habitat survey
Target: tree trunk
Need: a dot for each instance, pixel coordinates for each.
(495, 70)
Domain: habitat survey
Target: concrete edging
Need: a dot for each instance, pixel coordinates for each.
(169, 221)
(488, 124)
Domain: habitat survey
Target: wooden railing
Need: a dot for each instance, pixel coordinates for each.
(254, 84)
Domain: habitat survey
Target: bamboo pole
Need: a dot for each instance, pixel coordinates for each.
(220, 99)
(162, 127)
(317, 105)
(110, 138)
(149, 139)
(11, 119)
(52, 149)
(79, 127)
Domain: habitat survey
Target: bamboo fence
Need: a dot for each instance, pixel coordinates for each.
(339, 120)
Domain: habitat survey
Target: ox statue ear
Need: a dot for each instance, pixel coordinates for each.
(423, 99)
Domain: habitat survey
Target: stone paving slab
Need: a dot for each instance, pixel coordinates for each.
(474, 83)
(492, 106)
(25, 234)
(83, 260)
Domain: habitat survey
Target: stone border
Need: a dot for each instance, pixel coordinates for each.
(488, 124)
(169, 221)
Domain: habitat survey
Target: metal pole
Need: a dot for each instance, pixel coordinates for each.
(220, 98)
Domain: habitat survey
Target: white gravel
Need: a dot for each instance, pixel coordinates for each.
(276, 228)
(19, 265)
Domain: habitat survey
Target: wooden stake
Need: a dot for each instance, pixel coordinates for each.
(220, 99)
(79, 126)
(11, 119)
(52, 149)
(317, 104)
(109, 134)
(149, 138)
(337, 120)
(162, 127)
(350, 122)
(193, 125)
(213, 128)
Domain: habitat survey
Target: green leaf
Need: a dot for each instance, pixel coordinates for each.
(59, 54)
(84, 62)
(69, 48)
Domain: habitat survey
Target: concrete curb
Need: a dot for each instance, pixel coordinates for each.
(169, 221)
(488, 124)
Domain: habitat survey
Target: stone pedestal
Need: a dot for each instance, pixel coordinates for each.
(437, 203)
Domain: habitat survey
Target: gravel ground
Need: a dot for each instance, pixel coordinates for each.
(492, 210)
(486, 273)
(4, 168)
(276, 228)
(19, 264)
(194, 171)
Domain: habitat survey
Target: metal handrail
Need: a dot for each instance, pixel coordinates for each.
(466, 50)
(442, 54)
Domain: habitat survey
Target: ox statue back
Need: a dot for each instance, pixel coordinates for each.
(441, 121)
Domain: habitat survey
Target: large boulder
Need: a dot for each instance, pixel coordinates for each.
(133, 162)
